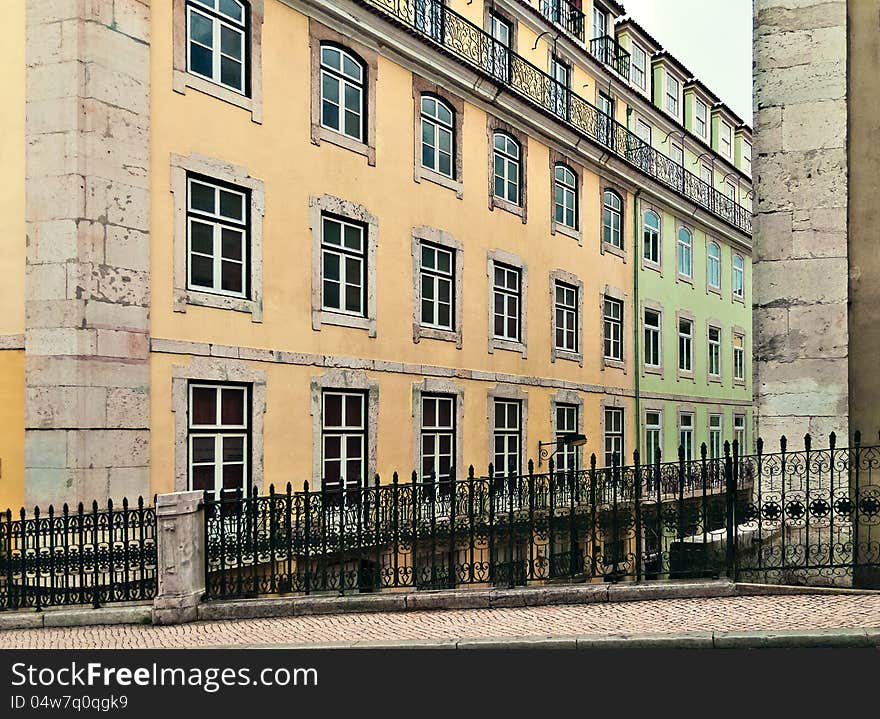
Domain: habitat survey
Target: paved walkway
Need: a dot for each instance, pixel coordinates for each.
(745, 614)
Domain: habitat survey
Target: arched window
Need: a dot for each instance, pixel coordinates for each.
(651, 232)
(612, 219)
(713, 265)
(343, 89)
(216, 46)
(685, 252)
(507, 167)
(438, 135)
(565, 199)
(739, 276)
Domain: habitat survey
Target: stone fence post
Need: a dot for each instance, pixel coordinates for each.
(180, 543)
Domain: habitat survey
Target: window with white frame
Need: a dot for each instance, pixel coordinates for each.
(219, 437)
(724, 137)
(701, 118)
(613, 329)
(500, 30)
(343, 90)
(436, 275)
(739, 432)
(565, 189)
(612, 219)
(685, 344)
(438, 136)
(685, 252)
(653, 436)
(566, 311)
(713, 265)
(561, 74)
(652, 338)
(730, 190)
(651, 237)
(714, 351)
(676, 154)
(566, 423)
(507, 437)
(739, 358)
(343, 266)
(507, 295)
(643, 130)
(746, 153)
(437, 439)
(217, 47)
(600, 23)
(686, 435)
(613, 435)
(738, 276)
(638, 67)
(217, 237)
(715, 433)
(706, 175)
(673, 90)
(507, 167)
(343, 438)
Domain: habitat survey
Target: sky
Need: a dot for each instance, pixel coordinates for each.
(712, 38)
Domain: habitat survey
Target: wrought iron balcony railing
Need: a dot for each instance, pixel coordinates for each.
(607, 50)
(564, 14)
(469, 44)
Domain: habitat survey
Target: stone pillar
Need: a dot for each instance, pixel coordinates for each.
(800, 230)
(180, 543)
(87, 258)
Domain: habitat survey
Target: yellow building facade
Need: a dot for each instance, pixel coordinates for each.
(327, 247)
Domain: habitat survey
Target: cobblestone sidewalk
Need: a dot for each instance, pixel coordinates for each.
(656, 616)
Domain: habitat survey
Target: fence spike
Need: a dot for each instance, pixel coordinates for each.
(807, 441)
(857, 437)
(759, 445)
(832, 440)
(783, 443)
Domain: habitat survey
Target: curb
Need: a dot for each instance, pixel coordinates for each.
(78, 617)
(825, 638)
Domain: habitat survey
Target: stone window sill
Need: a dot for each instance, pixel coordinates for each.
(715, 380)
(654, 370)
(347, 143)
(567, 356)
(654, 266)
(682, 374)
(182, 298)
(424, 173)
(435, 333)
(713, 291)
(685, 279)
(741, 300)
(608, 363)
(614, 250)
(507, 346)
(556, 227)
(326, 317)
(183, 80)
(513, 209)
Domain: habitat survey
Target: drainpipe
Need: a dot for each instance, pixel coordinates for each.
(636, 319)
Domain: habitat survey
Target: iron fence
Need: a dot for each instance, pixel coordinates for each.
(467, 42)
(564, 14)
(787, 516)
(609, 52)
(77, 557)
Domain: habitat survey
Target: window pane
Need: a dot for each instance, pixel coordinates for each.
(232, 406)
(201, 238)
(354, 410)
(232, 244)
(204, 405)
(202, 271)
(332, 232)
(233, 476)
(233, 449)
(203, 478)
(201, 197)
(231, 205)
(230, 42)
(230, 72)
(201, 60)
(353, 298)
(202, 450)
(201, 29)
(332, 410)
(231, 278)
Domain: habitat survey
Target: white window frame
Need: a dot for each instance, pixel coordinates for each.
(713, 353)
(509, 436)
(653, 338)
(511, 164)
(344, 82)
(644, 130)
(565, 308)
(612, 219)
(612, 329)
(746, 157)
(219, 431)
(701, 120)
(436, 278)
(344, 253)
(344, 431)
(685, 250)
(613, 434)
(600, 23)
(686, 346)
(716, 433)
(739, 432)
(639, 70)
(713, 265)
(739, 357)
(686, 434)
(707, 175)
(508, 294)
(440, 128)
(673, 99)
(565, 188)
(676, 154)
(438, 432)
(567, 457)
(219, 21)
(730, 190)
(220, 224)
(739, 276)
(651, 238)
(725, 139)
(653, 434)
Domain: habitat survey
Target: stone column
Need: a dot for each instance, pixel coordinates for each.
(180, 543)
(87, 259)
(800, 231)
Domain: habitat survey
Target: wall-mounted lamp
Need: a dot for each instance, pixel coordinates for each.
(572, 439)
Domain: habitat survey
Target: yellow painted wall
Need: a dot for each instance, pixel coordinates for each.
(280, 153)
(11, 429)
(12, 152)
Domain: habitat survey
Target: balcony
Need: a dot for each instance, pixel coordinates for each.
(608, 52)
(472, 46)
(564, 14)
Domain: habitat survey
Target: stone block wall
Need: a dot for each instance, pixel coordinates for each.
(800, 280)
(87, 276)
